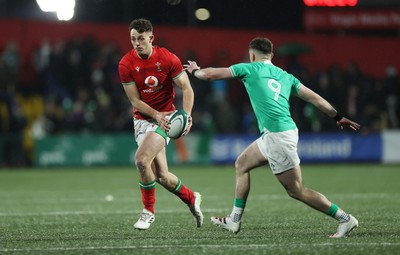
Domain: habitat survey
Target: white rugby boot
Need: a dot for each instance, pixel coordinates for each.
(195, 209)
(227, 223)
(145, 220)
(345, 227)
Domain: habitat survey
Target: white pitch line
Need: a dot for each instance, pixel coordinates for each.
(51, 199)
(63, 213)
(213, 210)
(203, 246)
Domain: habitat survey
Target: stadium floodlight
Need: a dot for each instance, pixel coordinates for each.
(66, 14)
(202, 14)
(63, 8)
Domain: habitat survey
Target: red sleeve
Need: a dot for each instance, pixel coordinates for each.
(175, 65)
(124, 71)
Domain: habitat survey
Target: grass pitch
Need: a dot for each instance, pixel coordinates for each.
(68, 211)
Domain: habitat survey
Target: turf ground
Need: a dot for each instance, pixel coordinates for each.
(65, 211)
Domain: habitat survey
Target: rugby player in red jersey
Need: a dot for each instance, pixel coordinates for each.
(148, 74)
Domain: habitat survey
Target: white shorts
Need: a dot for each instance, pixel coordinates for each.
(144, 126)
(280, 149)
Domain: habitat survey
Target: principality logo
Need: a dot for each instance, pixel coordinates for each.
(151, 81)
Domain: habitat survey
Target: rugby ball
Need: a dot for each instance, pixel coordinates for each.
(179, 121)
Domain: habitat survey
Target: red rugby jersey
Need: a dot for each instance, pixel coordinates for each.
(153, 78)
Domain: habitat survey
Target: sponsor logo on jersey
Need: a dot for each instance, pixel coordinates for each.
(137, 69)
(151, 90)
(151, 81)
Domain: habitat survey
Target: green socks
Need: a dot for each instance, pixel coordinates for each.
(337, 213)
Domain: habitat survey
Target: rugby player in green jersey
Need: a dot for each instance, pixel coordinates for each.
(269, 89)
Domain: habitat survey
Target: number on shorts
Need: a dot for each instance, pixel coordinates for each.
(275, 86)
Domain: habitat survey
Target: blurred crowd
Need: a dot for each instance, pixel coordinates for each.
(76, 88)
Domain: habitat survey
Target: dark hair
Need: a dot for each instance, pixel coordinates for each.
(141, 25)
(263, 45)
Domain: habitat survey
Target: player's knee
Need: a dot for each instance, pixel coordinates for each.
(140, 166)
(239, 165)
(140, 163)
(295, 192)
(292, 194)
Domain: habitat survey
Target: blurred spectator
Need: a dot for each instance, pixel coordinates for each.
(249, 121)
(12, 119)
(220, 87)
(11, 59)
(226, 118)
(373, 112)
(391, 85)
(41, 58)
(12, 125)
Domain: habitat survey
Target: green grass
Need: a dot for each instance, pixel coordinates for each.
(64, 211)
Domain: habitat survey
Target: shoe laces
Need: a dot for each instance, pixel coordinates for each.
(144, 216)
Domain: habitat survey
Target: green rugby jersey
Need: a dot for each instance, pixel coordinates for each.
(269, 88)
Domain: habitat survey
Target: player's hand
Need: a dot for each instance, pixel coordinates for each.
(192, 65)
(189, 126)
(163, 121)
(344, 122)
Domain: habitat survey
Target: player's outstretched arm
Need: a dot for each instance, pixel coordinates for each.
(319, 102)
(208, 73)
